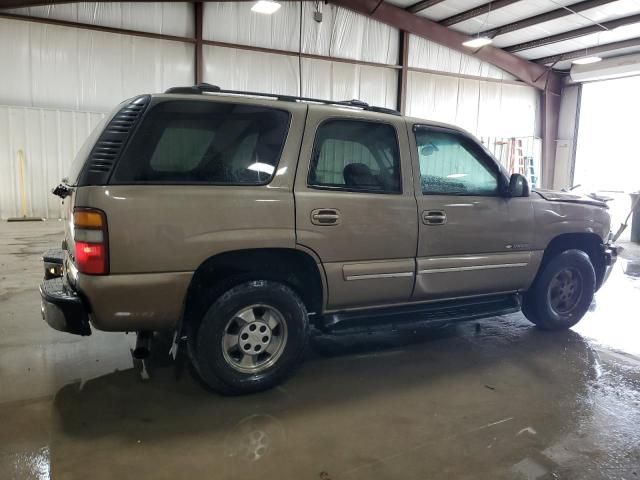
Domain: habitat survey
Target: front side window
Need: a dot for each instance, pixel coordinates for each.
(450, 166)
(205, 142)
(356, 156)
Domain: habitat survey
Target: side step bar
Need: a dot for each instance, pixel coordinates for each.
(411, 316)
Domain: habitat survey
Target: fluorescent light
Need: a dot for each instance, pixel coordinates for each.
(586, 60)
(477, 42)
(266, 6)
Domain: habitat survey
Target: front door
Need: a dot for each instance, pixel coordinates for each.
(355, 206)
(473, 239)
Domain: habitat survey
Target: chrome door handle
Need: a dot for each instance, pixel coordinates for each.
(325, 216)
(434, 217)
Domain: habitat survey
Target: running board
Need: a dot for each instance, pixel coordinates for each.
(414, 315)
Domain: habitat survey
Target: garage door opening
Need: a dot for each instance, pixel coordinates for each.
(607, 156)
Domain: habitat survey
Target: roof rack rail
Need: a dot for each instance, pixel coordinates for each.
(207, 88)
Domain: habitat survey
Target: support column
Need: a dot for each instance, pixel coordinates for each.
(197, 8)
(550, 114)
(403, 58)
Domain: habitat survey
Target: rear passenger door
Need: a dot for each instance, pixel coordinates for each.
(355, 206)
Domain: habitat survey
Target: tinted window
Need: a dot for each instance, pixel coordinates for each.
(356, 155)
(449, 165)
(204, 142)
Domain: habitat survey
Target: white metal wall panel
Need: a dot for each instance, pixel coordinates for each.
(167, 18)
(236, 69)
(61, 67)
(49, 140)
(484, 108)
(346, 34)
(429, 55)
(342, 33)
(344, 81)
(234, 22)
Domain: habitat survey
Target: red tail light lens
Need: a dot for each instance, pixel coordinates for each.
(90, 235)
(91, 258)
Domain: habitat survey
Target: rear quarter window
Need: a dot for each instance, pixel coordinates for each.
(205, 142)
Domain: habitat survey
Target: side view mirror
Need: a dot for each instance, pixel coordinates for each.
(518, 185)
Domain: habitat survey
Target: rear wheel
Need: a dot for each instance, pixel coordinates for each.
(562, 293)
(251, 338)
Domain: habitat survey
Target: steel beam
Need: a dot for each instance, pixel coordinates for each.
(403, 72)
(122, 31)
(97, 28)
(544, 17)
(4, 4)
(585, 52)
(423, 5)
(578, 32)
(476, 12)
(529, 72)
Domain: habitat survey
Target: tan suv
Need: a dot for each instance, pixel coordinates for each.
(242, 220)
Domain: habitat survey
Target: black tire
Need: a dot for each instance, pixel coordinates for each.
(215, 367)
(562, 292)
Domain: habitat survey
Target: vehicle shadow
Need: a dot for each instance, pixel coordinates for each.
(480, 367)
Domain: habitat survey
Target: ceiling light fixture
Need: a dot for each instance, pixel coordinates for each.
(266, 6)
(586, 60)
(477, 42)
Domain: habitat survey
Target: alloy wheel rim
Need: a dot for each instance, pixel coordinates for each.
(254, 338)
(565, 291)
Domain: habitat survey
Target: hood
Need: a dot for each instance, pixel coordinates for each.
(570, 197)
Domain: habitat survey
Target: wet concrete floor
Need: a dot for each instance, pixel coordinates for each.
(502, 400)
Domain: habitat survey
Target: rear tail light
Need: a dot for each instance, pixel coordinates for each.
(90, 236)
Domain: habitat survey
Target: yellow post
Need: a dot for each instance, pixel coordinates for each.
(23, 193)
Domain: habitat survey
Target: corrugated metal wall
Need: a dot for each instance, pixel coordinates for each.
(73, 71)
(61, 67)
(49, 140)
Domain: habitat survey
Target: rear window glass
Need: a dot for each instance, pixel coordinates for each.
(205, 142)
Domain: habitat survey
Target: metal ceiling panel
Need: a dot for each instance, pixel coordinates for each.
(566, 65)
(620, 9)
(449, 8)
(402, 3)
(595, 39)
(509, 14)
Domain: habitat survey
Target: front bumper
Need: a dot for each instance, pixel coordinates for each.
(63, 309)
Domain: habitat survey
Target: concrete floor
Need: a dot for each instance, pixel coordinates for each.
(504, 401)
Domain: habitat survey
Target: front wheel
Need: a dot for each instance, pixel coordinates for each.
(251, 338)
(562, 293)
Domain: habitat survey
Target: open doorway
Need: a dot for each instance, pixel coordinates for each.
(607, 154)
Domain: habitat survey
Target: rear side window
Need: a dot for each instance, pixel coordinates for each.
(205, 142)
(356, 156)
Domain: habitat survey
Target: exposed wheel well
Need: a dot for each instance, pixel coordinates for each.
(590, 243)
(219, 273)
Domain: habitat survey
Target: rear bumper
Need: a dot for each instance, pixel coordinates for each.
(63, 309)
(53, 261)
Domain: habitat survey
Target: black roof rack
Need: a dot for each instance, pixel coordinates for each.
(207, 88)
